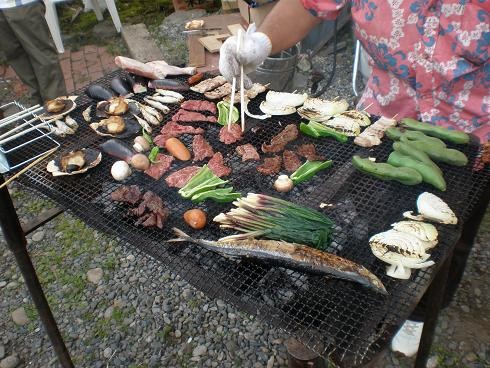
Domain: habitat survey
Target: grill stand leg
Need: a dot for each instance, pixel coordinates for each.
(434, 300)
(16, 241)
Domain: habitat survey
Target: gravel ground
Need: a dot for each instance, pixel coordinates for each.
(117, 308)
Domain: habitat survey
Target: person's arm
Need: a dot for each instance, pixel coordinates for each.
(287, 23)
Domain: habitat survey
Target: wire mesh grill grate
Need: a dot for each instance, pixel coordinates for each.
(334, 317)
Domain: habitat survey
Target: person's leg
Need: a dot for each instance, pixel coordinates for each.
(16, 57)
(30, 27)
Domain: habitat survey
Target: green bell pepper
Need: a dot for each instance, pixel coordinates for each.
(308, 170)
(317, 130)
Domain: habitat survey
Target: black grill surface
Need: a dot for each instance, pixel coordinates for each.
(336, 318)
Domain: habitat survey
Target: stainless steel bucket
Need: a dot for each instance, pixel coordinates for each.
(278, 70)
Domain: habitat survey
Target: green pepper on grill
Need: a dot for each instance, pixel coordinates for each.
(317, 130)
(308, 170)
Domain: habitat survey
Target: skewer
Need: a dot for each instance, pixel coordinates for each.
(368, 106)
(33, 163)
(242, 89)
(242, 99)
(394, 116)
(233, 85)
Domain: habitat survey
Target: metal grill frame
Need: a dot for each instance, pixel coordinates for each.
(342, 320)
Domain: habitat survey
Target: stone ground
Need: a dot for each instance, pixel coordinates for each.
(117, 308)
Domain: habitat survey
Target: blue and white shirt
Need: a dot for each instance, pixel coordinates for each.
(6, 4)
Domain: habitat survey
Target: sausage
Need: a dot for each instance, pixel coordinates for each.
(195, 78)
(177, 149)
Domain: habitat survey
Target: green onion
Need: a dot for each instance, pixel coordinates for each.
(259, 215)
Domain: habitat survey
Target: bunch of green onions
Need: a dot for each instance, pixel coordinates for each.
(258, 215)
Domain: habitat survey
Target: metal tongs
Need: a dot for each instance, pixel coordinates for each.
(233, 87)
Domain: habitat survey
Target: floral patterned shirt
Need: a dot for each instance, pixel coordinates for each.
(429, 58)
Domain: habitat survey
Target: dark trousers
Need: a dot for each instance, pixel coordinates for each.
(28, 47)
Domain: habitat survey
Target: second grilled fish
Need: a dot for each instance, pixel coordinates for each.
(291, 255)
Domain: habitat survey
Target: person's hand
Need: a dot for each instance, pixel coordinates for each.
(253, 50)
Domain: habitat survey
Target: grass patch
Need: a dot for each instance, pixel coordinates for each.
(447, 358)
(164, 333)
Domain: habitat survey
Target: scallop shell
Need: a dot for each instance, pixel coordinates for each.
(70, 105)
(270, 109)
(92, 159)
(132, 128)
(285, 99)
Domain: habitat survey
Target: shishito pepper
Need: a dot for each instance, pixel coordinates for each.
(317, 130)
(454, 136)
(223, 112)
(384, 171)
(429, 174)
(308, 170)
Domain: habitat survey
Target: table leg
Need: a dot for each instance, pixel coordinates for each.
(16, 241)
(435, 296)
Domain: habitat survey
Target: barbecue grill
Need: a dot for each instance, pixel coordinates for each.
(335, 318)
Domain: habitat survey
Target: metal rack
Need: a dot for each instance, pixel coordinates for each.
(16, 144)
(334, 318)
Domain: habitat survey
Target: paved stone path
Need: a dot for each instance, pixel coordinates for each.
(79, 67)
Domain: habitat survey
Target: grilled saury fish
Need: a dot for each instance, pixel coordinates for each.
(290, 255)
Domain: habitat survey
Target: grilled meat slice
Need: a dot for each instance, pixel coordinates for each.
(271, 165)
(279, 141)
(247, 152)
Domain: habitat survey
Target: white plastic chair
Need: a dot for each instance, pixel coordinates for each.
(360, 64)
(54, 26)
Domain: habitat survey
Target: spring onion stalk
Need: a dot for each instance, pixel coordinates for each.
(258, 215)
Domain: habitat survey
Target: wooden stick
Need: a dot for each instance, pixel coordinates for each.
(242, 98)
(368, 106)
(394, 117)
(232, 99)
(233, 84)
(33, 163)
